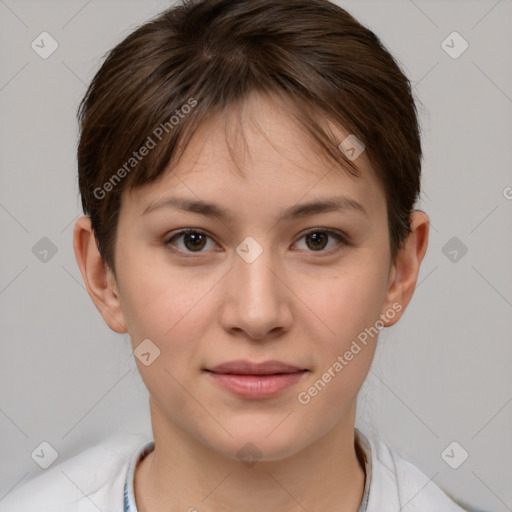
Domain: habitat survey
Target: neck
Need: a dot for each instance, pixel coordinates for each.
(185, 474)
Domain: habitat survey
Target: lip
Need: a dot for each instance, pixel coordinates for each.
(256, 380)
(242, 367)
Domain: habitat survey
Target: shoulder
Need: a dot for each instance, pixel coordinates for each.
(90, 481)
(396, 484)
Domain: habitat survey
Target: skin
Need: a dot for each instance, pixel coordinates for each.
(302, 301)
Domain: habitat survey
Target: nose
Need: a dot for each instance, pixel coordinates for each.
(256, 300)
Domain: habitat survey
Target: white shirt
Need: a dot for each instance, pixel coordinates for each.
(95, 479)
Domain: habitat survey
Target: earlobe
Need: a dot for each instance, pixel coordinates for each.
(406, 267)
(98, 278)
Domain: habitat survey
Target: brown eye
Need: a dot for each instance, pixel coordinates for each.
(318, 239)
(193, 241)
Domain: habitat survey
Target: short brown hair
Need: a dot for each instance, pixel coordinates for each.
(206, 55)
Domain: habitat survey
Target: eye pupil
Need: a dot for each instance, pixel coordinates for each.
(194, 238)
(195, 241)
(315, 237)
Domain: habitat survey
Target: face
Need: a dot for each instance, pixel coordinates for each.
(257, 277)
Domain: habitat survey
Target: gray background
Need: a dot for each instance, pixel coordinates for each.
(442, 374)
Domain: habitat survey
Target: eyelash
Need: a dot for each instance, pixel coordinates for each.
(342, 239)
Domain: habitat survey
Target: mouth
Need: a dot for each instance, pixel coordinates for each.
(241, 367)
(256, 380)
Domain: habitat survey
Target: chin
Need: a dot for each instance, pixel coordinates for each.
(253, 444)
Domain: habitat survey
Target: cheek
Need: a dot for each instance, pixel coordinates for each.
(349, 306)
(347, 302)
(172, 310)
(155, 295)
(167, 314)
(173, 319)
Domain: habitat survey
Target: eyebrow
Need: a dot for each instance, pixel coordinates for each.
(332, 204)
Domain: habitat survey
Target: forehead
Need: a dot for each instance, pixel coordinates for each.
(264, 128)
(257, 148)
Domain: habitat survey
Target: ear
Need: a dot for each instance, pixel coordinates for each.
(98, 278)
(404, 270)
